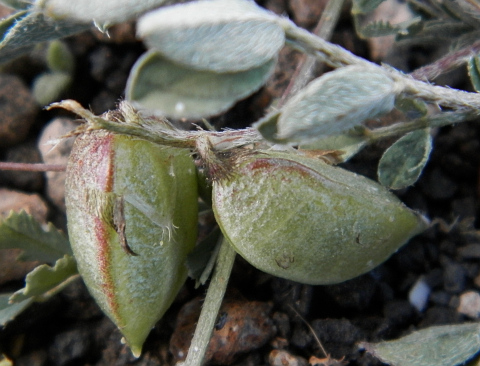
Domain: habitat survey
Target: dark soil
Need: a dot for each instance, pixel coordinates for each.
(70, 329)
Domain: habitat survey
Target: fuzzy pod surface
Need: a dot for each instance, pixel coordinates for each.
(132, 219)
(298, 218)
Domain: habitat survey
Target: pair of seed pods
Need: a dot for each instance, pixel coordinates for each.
(132, 219)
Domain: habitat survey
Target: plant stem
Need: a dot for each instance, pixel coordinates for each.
(211, 305)
(439, 120)
(333, 55)
(158, 131)
(28, 167)
(49, 294)
(306, 68)
(337, 56)
(446, 63)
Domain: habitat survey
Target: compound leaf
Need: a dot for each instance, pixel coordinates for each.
(45, 278)
(383, 28)
(20, 230)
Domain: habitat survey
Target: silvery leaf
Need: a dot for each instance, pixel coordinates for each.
(335, 103)
(102, 12)
(173, 90)
(446, 345)
(403, 162)
(215, 35)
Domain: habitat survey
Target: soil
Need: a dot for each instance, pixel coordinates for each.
(285, 317)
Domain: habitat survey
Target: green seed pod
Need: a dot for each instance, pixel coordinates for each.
(298, 218)
(132, 219)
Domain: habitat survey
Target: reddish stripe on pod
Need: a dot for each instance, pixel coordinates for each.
(103, 237)
(102, 151)
(102, 148)
(274, 164)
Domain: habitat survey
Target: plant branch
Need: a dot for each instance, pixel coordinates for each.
(333, 55)
(49, 294)
(446, 97)
(306, 67)
(211, 306)
(28, 167)
(446, 63)
(438, 120)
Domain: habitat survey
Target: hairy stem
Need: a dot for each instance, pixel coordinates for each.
(438, 120)
(28, 167)
(337, 56)
(211, 306)
(447, 63)
(306, 68)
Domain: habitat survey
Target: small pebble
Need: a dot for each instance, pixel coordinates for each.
(18, 110)
(56, 154)
(470, 304)
(284, 358)
(33, 204)
(242, 326)
(418, 294)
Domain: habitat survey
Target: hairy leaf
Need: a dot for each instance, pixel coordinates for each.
(446, 345)
(20, 230)
(214, 35)
(334, 103)
(102, 12)
(45, 278)
(382, 28)
(49, 86)
(158, 84)
(403, 162)
(31, 29)
(8, 311)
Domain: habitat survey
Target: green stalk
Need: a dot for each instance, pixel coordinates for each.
(439, 120)
(211, 305)
(307, 66)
